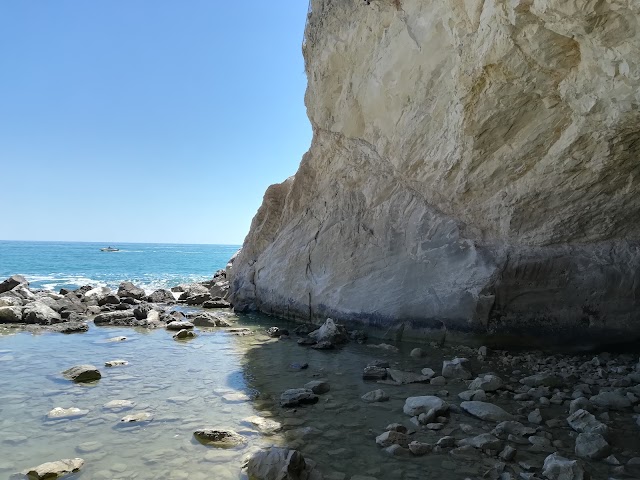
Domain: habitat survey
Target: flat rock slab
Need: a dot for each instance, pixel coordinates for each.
(82, 373)
(264, 425)
(177, 325)
(116, 363)
(51, 470)
(137, 417)
(219, 438)
(403, 378)
(486, 411)
(60, 413)
(375, 396)
(119, 405)
(416, 405)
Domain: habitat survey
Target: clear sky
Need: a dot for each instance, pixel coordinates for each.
(147, 120)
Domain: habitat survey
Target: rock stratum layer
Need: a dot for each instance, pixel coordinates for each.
(474, 168)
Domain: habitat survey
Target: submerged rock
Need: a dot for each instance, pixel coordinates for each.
(219, 438)
(264, 425)
(375, 396)
(297, 396)
(137, 417)
(60, 413)
(330, 332)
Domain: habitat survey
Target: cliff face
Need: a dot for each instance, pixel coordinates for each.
(475, 167)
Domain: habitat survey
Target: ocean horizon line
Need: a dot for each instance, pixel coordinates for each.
(114, 242)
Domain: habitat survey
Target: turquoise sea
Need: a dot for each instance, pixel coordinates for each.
(54, 265)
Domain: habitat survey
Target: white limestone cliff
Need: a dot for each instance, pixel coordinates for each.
(475, 167)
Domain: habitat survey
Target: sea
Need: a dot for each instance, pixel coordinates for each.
(55, 265)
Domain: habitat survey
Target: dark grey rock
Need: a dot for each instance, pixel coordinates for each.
(82, 373)
(129, 290)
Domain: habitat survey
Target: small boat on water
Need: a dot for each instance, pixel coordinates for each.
(109, 249)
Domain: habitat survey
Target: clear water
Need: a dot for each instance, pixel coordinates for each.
(219, 379)
(55, 265)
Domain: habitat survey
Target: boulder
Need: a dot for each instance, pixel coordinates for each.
(416, 405)
(278, 463)
(611, 401)
(318, 386)
(592, 445)
(11, 314)
(161, 296)
(391, 437)
(39, 313)
(129, 290)
(583, 422)
(373, 372)
(52, 470)
(109, 299)
(178, 325)
(141, 311)
(219, 438)
(488, 383)
(420, 448)
(557, 467)
(330, 332)
(456, 368)
(184, 334)
(11, 299)
(12, 282)
(207, 319)
(82, 373)
(297, 396)
(375, 396)
(486, 411)
(195, 299)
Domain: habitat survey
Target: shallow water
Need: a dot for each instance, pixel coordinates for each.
(218, 379)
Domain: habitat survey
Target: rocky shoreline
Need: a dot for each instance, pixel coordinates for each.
(69, 311)
(513, 415)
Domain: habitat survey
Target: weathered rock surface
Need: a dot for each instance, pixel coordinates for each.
(297, 396)
(417, 405)
(473, 167)
(486, 411)
(12, 282)
(557, 467)
(278, 463)
(82, 373)
(11, 314)
(219, 438)
(40, 313)
(60, 413)
(129, 290)
(51, 470)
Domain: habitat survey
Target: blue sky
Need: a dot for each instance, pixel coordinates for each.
(147, 120)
